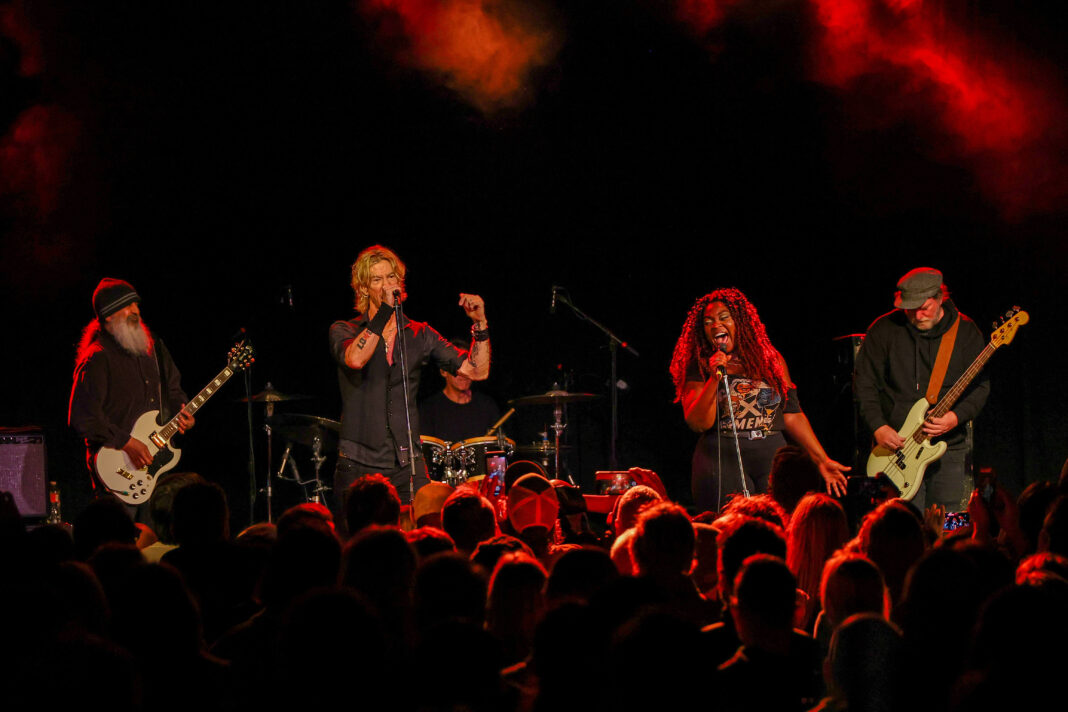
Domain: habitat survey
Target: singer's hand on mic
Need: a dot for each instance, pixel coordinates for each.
(718, 363)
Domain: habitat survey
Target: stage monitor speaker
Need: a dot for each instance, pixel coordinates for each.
(22, 469)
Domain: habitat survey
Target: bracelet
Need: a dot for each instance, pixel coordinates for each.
(376, 325)
(479, 334)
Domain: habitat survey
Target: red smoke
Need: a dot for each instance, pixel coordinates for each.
(35, 152)
(482, 49)
(997, 113)
(34, 158)
(702, 15)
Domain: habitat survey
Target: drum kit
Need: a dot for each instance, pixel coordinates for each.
(450, 462)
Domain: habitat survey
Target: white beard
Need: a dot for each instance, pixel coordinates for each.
(132, 335)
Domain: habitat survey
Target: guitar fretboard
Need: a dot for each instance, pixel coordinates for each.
(167, 431)
(955, 392)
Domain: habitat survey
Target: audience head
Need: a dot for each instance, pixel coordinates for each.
(892, 536)
(818, 528)
(532, 503)
(468, 518)
(302, 558)
(793, 475)
(741, 538)
(308, 514)
(852, 584)
(161, 506)
(371, 500)
(759, 506)
(864, 666)
(664, 541)
(629, 506)
(764, 600)
(379, 563)
(1054, 534)
(1034, 503)
(200, 516)
(490, 551)
(429, 499)
(579, 574)
(449, 587)
(104, 520)
(428, 541)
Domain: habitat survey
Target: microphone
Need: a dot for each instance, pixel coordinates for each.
(552, 304)
(721, 371)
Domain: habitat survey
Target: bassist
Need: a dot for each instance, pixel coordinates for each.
(899, 363)
(117, 376)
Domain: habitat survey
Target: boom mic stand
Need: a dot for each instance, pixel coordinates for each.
(560, 294)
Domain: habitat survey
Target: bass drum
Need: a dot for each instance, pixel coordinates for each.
(474, 454)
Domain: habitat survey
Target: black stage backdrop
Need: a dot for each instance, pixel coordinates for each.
(231, 161)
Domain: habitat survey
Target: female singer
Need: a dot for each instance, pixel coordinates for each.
(724, 339)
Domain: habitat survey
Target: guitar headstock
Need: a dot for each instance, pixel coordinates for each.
(241, 356)
(1005, 328)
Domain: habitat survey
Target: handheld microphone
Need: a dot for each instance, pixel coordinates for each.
(721, 370)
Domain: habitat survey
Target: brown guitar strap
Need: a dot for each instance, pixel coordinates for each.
(941, 365)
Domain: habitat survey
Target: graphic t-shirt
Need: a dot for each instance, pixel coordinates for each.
(756, 405)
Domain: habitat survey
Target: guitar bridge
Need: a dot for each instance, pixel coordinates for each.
(124, 473)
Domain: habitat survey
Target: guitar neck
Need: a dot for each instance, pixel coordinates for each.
(966, 378)
(167, 431)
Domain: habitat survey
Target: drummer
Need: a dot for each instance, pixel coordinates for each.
(457, 412)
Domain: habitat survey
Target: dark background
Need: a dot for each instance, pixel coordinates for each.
(223, 157)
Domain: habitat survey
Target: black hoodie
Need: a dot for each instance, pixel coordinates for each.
(894, 368)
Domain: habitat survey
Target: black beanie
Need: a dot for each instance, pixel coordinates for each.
(111, 295)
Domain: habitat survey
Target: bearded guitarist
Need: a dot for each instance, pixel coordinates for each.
(919, 351)
(121, 372)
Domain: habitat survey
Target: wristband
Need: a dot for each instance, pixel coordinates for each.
(376, 325)
(479, 334)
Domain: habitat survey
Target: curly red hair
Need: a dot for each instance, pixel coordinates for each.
(752, 346)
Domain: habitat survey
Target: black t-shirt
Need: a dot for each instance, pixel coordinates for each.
(446, 420)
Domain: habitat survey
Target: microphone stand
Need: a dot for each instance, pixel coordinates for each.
(399, 314)
(734, 429)
(560, 294)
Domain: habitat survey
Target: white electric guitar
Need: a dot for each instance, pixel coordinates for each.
(135, 485)
(906, 465)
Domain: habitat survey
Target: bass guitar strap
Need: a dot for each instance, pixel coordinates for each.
(941, 365)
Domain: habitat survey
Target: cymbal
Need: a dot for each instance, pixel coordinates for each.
(552, 398)
(541, 448)
(303, 429)
(270, 395)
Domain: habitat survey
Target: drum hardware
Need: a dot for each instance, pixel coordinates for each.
(457, 462)
(269, 396)
(317, 433)
(557, 399)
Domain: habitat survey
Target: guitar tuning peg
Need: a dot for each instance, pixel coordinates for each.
(1009, 313)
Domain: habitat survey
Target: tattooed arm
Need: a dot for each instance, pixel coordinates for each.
(477, 365)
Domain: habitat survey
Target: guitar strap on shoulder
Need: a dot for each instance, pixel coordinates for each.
(164, 378)
(941, 365)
